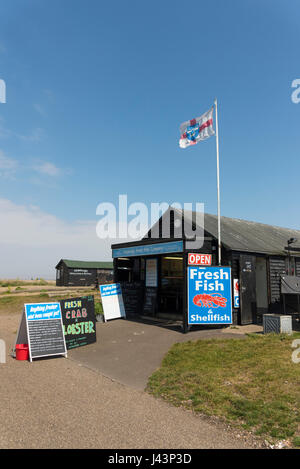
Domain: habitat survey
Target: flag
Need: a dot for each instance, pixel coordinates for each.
(195, 130)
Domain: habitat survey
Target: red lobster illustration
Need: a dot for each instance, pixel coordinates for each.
(213, 300)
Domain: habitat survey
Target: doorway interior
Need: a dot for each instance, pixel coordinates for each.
(171, 286)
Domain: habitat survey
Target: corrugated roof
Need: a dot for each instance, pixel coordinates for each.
(87, 264)
(243, 235)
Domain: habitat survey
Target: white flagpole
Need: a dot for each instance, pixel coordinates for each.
(218, 185)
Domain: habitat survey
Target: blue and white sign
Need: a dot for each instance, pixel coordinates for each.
(42, 311)
(209, 295)
(42, 328)
(149, 249)
(236, 293)
(112, 301)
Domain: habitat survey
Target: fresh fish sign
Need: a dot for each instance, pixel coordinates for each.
(209, 295)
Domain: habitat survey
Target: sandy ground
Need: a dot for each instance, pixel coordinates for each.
(58, 403)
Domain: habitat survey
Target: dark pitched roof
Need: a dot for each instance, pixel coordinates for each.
(243, 235)
(86, 264)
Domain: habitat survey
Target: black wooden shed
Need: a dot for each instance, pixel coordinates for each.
(82, 273)
(258, 254)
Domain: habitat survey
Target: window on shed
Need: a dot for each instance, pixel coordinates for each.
(290, 266)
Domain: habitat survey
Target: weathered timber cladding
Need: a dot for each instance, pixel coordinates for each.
(104, 276)
(277, 267)
(81, 273)
(81, 277)
(298, 267)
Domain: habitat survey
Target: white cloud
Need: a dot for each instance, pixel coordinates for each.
(39, 109)
(8, 166)
(4, 132)
(47, 168)
(33, 241)
(35, 136)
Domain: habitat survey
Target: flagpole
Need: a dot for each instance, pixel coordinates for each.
(218, 185)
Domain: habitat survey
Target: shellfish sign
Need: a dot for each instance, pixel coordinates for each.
(209, 295)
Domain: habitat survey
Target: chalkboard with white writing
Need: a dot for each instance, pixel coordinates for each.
(150, 301)
(132, 297)
(44, 329)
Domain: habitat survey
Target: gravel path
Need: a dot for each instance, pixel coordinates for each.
(58, 403)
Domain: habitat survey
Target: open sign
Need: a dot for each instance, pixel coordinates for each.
(199, 259)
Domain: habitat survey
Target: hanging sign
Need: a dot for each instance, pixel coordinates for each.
(236, 293)
(199, 259)
(79, 321)
(209, 295)
(151, 273)
(150, 301)
(42, 329)
(112, 301)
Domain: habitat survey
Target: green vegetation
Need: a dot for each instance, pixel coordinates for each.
(250, 382)
(98, 307)
(14, 304)
(296, 442)
(18, 283)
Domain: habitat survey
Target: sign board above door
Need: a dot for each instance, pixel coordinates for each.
(148, 249)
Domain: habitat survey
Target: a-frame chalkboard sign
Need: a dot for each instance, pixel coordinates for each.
(41, 328)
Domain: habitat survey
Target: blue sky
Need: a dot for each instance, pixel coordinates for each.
(96, 92)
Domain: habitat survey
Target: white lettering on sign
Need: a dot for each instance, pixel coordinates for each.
(203, 279)
(199, 259)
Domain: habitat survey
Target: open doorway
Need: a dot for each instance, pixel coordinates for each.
(171, 286)
(124, 269)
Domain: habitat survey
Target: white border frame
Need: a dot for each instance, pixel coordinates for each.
(28, 336)
(188, 296)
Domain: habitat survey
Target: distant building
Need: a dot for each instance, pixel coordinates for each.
(83, 273)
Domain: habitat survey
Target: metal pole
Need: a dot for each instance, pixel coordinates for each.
(184, 299)
(218, 185)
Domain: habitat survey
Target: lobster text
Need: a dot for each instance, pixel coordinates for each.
(295, 97)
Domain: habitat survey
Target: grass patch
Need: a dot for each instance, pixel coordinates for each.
(22, 283)
(98, 307)
(296, 442)
(14, 304)
(250, 382)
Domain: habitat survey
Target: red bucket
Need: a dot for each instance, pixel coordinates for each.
(22, 351)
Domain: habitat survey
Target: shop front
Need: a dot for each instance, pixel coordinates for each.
(154, 272)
